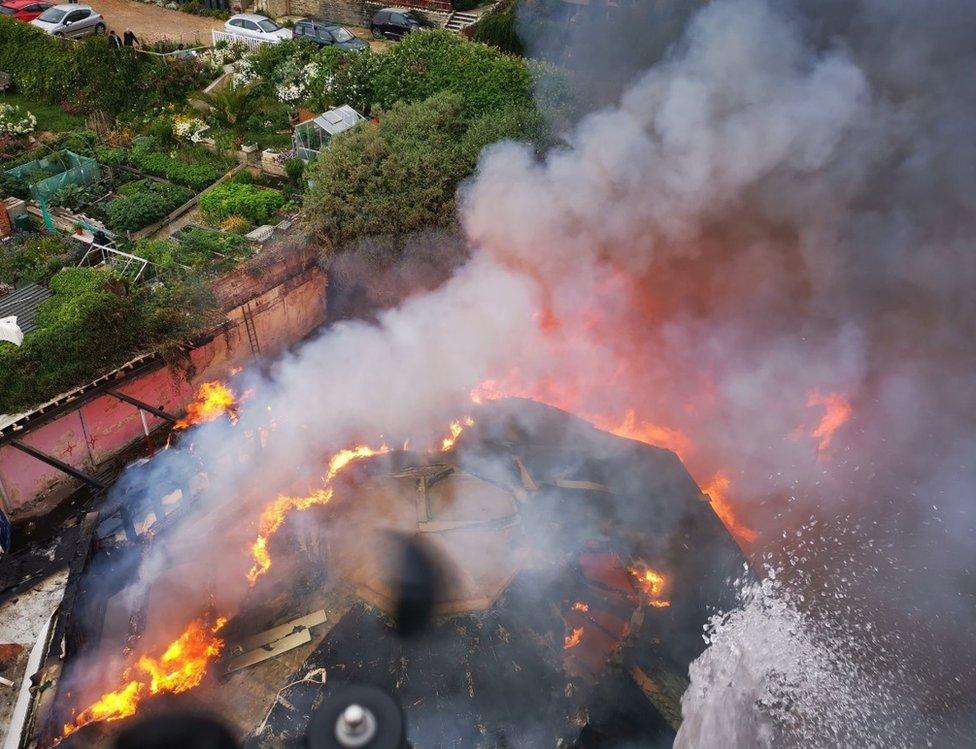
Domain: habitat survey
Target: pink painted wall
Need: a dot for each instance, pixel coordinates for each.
(103, 427)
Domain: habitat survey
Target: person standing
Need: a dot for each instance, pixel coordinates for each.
(113, 40)
(129, 39)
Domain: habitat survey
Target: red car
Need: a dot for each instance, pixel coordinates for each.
(24, 10)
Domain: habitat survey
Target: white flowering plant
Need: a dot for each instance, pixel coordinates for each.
(16, 121)
(188, 128)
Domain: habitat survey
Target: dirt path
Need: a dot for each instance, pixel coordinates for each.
(151, 23)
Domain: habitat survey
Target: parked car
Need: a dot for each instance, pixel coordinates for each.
(253, 26)
(396, 23)
(23, 10)
(327, 34)
(70, 20)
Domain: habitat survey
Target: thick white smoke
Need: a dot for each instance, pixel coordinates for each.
(781, 207)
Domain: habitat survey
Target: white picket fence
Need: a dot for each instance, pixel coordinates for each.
(225, 36)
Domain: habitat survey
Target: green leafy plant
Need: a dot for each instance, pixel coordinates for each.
(233, 105)
(295, 169)
(144, 202)
(252, 203)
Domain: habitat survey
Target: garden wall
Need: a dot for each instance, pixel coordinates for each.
(92, 435)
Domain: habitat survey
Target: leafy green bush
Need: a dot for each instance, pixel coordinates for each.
(87, 74)
(295, 169)
(403, 175)
(35, 259)
(144, 202)
(255, 204)
(499, 28)
(94, 321)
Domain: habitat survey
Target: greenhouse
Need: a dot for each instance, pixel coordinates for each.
(313, 135)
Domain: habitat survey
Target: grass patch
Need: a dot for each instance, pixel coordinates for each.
(50, 117)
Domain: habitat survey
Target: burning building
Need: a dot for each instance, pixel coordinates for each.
(574, 571)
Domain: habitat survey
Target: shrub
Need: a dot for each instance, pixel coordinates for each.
(255, 204)
(295, 169)
(402, 176)
(142, 203)
(35, 259)
(499, 28)
(243, 177)
(94, 321)
(16, 121)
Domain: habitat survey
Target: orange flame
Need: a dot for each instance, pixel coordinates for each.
(573, 638)
(456, 427)
(182, 666)
(652, 583)
(837, 410)
(580, 606)
(717, 490)
(211, 400)
(274, 514)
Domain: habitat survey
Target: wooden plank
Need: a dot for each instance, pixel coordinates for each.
(282, 645)
(528, 482)
(283, 630)
(591, 486)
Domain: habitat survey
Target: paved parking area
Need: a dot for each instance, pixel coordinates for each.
(151, 23)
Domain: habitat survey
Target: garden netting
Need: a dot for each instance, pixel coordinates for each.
(49, 174)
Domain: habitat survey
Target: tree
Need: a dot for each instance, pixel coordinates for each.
(402, 175)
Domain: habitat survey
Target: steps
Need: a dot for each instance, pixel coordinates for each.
(458, 21)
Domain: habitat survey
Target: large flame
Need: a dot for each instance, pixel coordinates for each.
(181, 666)
(837, 410)
(652, 583)
(717, 490)
(275, 513)
(211, 400)
(456, 427)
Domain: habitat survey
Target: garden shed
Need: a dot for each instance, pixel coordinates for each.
(313, 135)
(49, 174)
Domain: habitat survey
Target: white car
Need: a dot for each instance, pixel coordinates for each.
(70, 20)
(259, 28)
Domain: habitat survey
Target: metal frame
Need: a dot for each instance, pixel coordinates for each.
(110, 255)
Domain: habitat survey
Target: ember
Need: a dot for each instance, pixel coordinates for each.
(580, 606)
(212, 399)
(573, 638)
(652, 583)
(182, 666)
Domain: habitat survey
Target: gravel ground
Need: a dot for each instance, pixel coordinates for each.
(151, 23)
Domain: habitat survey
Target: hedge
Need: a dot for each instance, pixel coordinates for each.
(87, 75)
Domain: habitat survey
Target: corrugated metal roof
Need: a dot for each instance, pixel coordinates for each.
(24, 303)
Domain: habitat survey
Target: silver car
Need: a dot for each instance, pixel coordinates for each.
(70, 21)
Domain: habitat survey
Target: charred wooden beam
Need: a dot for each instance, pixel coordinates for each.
(59, 464)
(143, 405)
